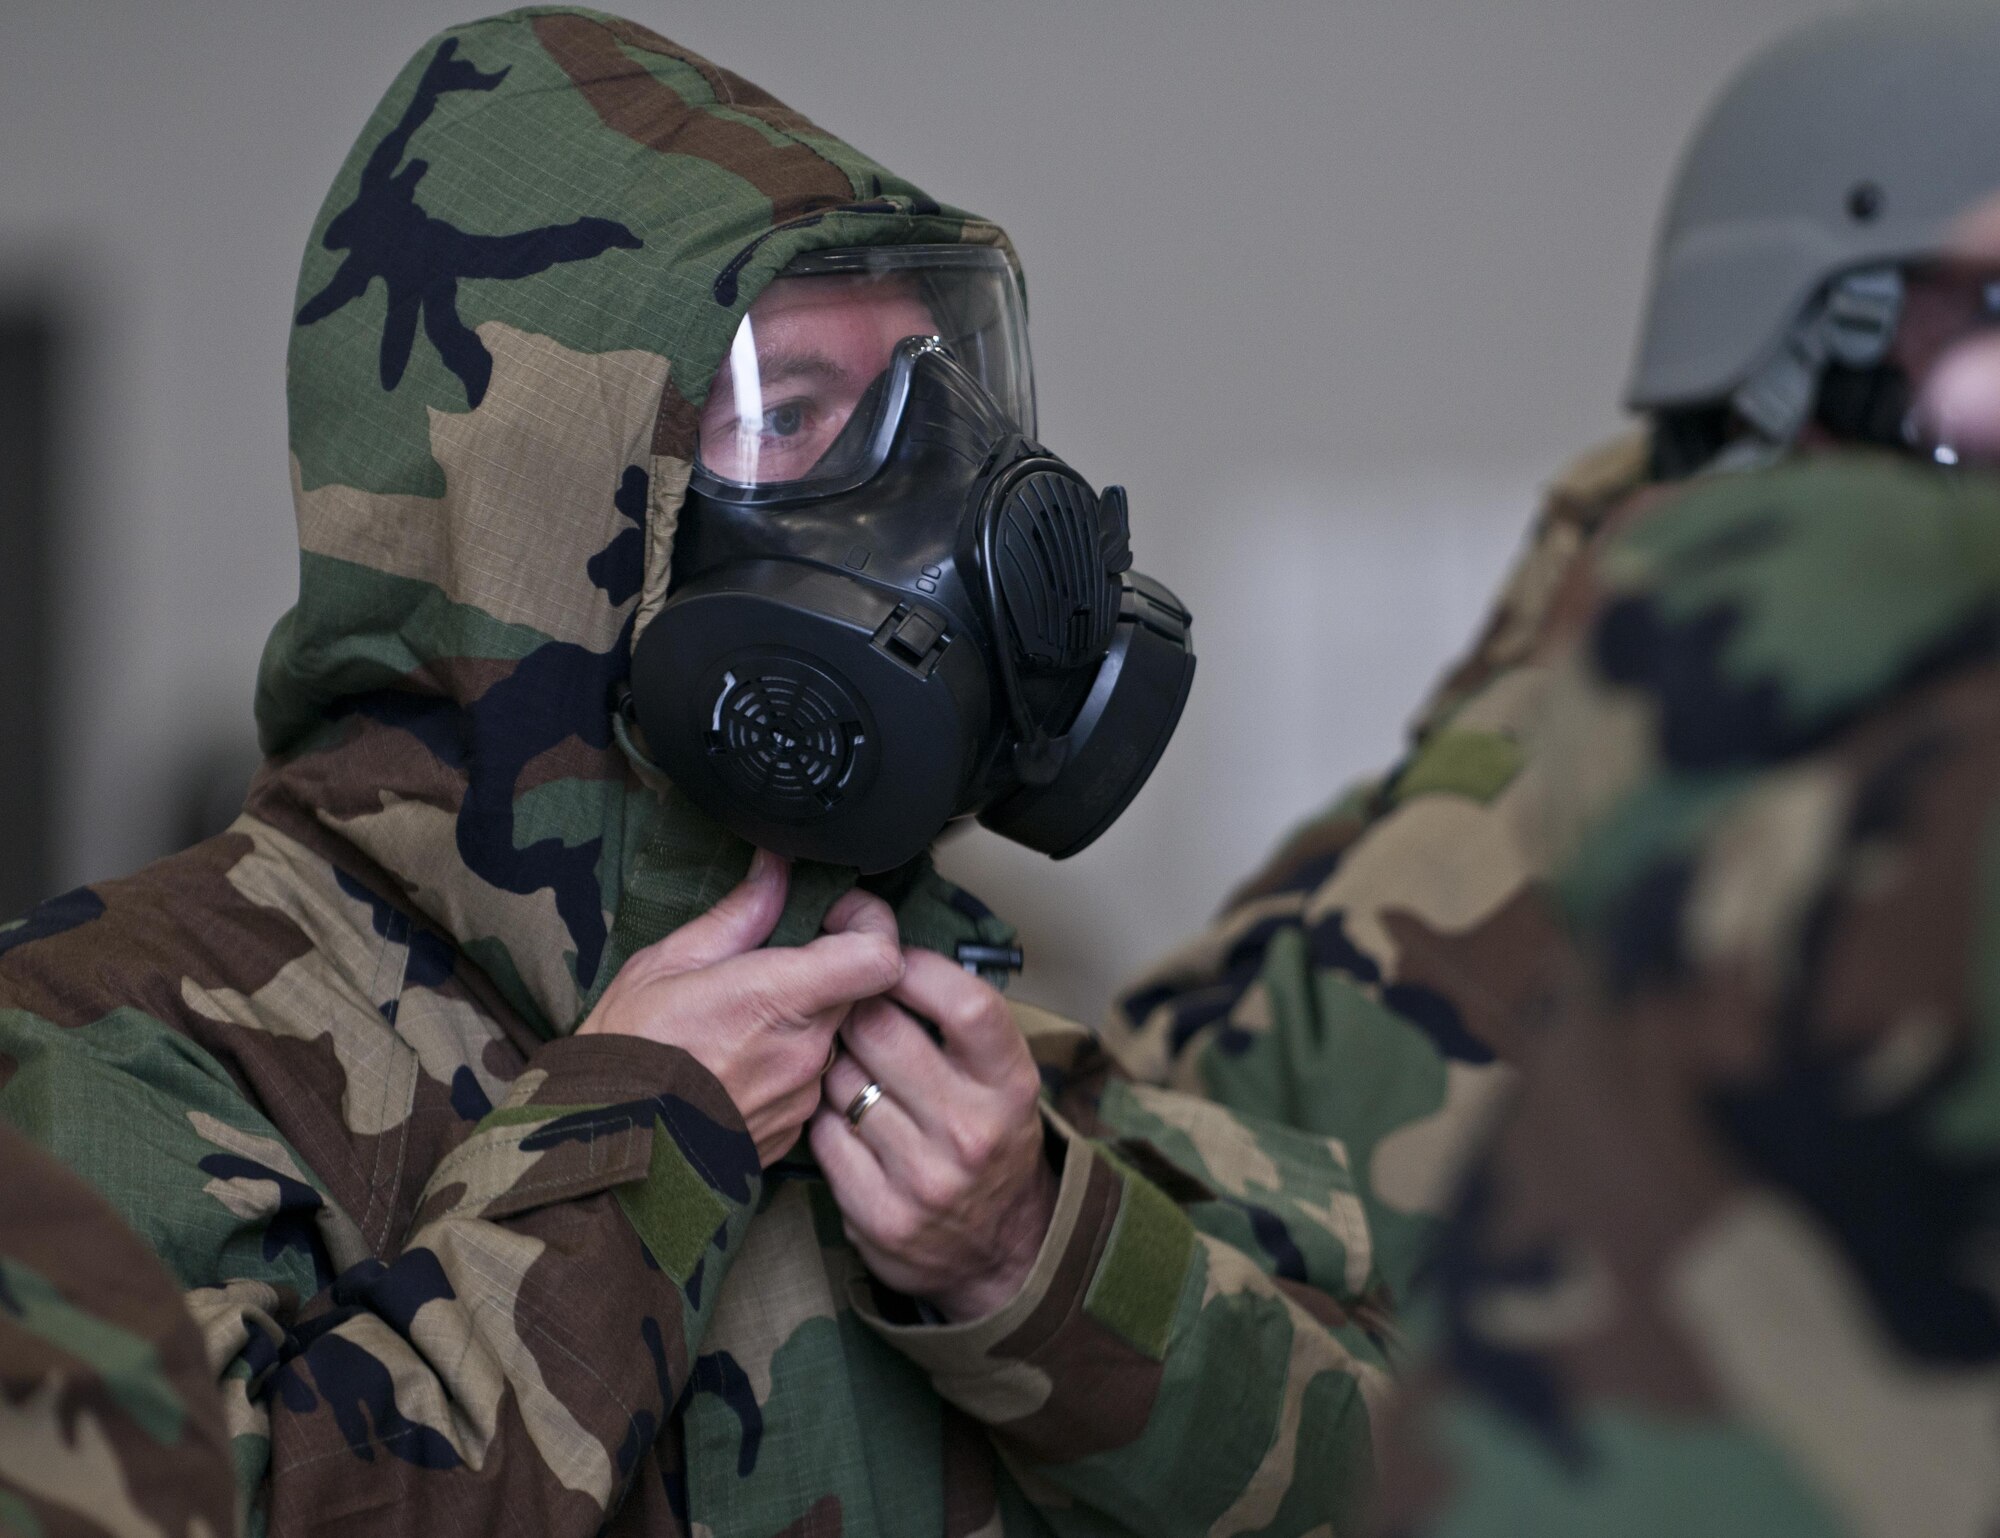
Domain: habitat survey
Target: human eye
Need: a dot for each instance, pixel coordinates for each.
(787, 419)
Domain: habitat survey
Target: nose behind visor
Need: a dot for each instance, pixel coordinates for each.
(808, 400)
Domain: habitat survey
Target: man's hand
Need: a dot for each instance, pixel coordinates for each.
(761, 1021)
(943, 1182)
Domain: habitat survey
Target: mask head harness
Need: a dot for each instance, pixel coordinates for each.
(940, 619)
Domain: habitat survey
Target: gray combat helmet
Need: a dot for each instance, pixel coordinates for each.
(1844, 151)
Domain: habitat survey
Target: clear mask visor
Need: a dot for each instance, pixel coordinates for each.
(803, 404)
(1949, 344)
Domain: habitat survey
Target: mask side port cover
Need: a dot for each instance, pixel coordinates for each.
(1123, 727)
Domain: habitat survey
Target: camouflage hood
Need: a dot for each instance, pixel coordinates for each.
(509, 313)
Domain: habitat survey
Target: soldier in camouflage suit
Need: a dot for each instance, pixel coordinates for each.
(457, 1266)
(109, 1422)
(1374, 981)
(1726, 1267)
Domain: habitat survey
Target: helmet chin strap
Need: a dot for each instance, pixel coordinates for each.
(1850, 326)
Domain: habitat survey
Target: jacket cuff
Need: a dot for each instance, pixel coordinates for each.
(1094, 1318)
(619, 1113)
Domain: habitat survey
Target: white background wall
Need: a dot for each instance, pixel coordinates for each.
(1331, 285)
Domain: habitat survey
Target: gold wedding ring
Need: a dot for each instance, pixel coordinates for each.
(859, 1106)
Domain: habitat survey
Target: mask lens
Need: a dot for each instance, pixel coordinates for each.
(799, 403)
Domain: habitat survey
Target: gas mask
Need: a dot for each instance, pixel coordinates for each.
(890, 606)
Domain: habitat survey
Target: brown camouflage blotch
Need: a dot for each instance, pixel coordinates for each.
(646, 1512)
(1722, 1032)
(971, 1492)
(728, 87)
(677, 429)
(437, 1201)
(574, 1328)
(1607, 1157)
(570, 759)
(632, 101)
(394, 1496)
(1073, 1271)
(1105, 1387)
(1895, 946)
(1500, 975)
(501, 1056)
(598, 1070)
(822, 1520)
(1325, 1310)
(1415, 1477)
(176, 918)
(351, 778)
(361, 1173)
(57, 1226)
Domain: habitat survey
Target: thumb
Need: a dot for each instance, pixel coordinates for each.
(739, 923)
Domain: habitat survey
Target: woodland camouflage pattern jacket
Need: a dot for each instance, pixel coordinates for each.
(1727, 1266)
(1662, 1032)
(108, 1416)
(457, 1270)
(1368, 982)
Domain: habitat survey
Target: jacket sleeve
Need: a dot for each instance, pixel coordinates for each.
(1197, 1010)
(511, 1365)
(109, 1421)
(1198, 1347)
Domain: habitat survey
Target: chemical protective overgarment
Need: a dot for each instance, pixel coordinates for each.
(458, 1269)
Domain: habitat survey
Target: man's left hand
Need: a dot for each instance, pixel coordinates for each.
(943, 1182)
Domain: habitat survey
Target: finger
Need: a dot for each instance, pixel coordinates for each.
(739, 923)
(895, 1051)
(916, 1165)
(978, 1031)
(793, 985)
(844, 1081)
(862, 912)
(850, 1167)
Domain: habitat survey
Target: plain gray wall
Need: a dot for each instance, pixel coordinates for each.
(1330, 286)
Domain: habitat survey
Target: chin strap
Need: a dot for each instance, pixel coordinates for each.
(1849, 327)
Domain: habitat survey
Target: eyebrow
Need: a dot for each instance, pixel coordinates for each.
(781, 366)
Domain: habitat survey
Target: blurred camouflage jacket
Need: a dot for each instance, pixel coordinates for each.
(459, 1270)
(1728, 1267)
(109, 1422)
(1366, 983)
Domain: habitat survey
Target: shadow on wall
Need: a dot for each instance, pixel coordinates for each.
(206, 787)
(30, 336)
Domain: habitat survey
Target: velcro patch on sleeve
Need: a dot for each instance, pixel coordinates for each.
(1137, 1289)
(675, 1211)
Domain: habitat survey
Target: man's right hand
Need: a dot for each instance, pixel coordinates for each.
(761, 1021)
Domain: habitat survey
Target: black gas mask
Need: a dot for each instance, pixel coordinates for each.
(926, 616)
